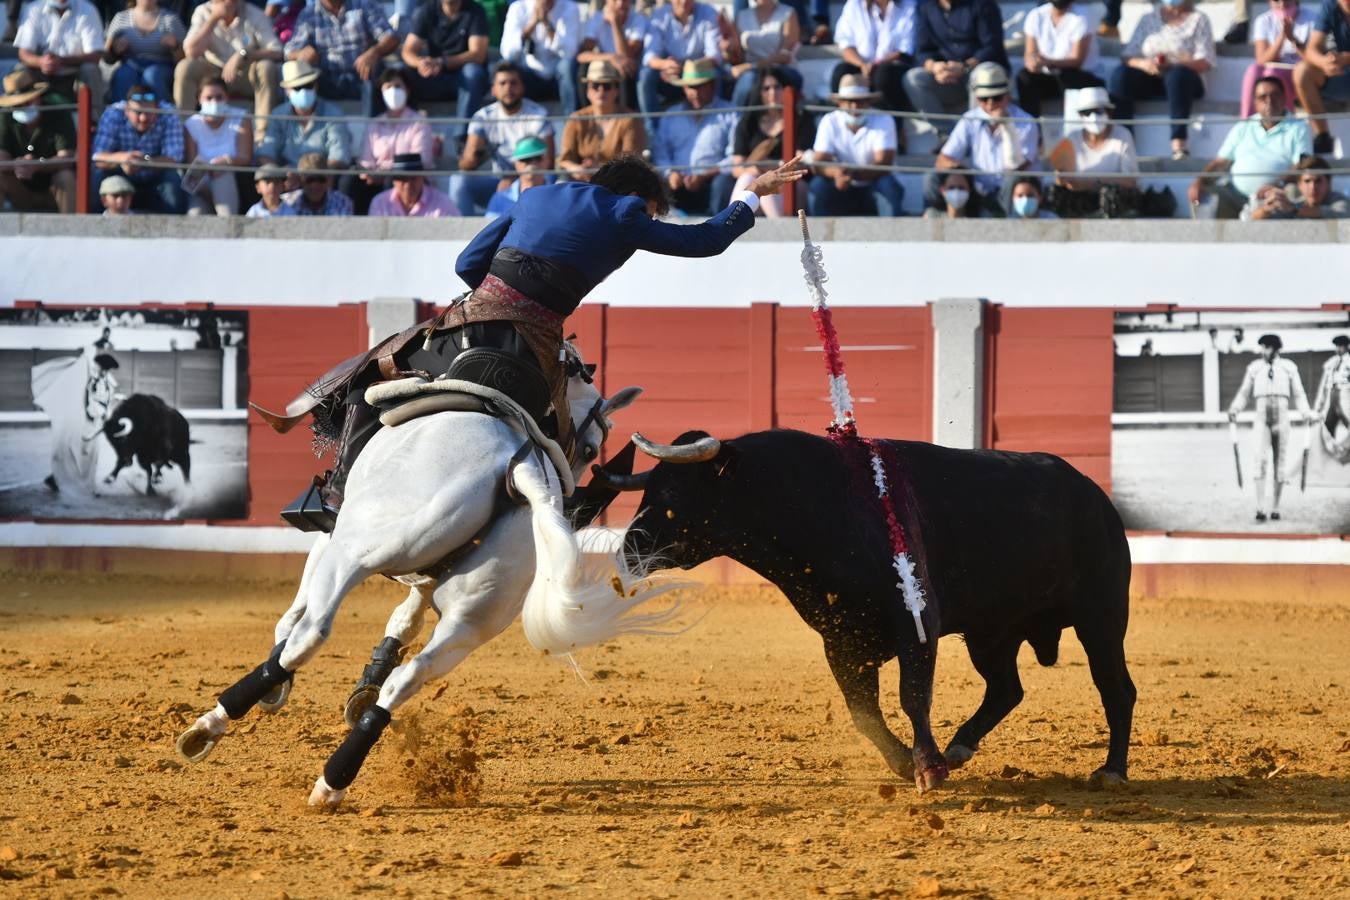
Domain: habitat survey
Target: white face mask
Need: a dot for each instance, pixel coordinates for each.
(956, 197)
(214, 108)
(395, 98)
(1096, 123)
(26, 116)
(854, 118)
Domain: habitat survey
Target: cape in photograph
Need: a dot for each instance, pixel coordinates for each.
(1232, 422)
(123, 414)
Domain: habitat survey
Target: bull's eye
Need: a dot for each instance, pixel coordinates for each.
(589, 452)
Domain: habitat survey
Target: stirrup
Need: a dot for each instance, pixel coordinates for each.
(308, 512)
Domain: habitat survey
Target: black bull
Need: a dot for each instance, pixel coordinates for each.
(145, 427)
(1014, 547)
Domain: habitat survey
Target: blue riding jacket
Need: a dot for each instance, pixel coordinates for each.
(593, 231)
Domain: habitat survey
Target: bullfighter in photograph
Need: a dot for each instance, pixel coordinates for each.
(1333, 401)
(1275, 384)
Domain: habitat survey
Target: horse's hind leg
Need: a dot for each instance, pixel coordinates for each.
(404, 625)
(334, 575)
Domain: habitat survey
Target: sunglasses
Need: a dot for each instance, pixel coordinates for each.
(315, 179)
(994, 99)
(142, 98)
(603, 86)
(1099, 111)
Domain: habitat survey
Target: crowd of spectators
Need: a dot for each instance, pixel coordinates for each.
(669, 80)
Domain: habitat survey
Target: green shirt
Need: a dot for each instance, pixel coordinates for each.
(55, 132)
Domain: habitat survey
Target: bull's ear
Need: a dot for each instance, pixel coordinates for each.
(727, 460)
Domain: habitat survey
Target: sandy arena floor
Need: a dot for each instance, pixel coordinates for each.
(719, 763)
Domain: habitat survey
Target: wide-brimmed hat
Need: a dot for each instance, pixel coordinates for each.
(1094, 98)
(116, 184)
(296, 73)
(853, 87)
(696, 72)
(529, 148)
(602, 71)
(407, 163)
(269, 173)
(21, 89)
(989, 79)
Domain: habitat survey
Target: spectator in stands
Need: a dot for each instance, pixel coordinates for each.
(446, 53)
(146, 42)
(993, 137)
(61, 42)
(954, 37)
(135, 134)
(849, 137)
(411, 195)
(117, 194)
(399, 129)
(542, 37)
(1322, 73)
(28, 133)
(958, 200)
(1085, 154)
(288, 139)
(316, 195)
(1257, 151)
(232, 40)
(878, 40)
(346, 41)
(681, 32)
(692, 151)
(1028, 199)
(1279, 35)
(589, 143)
(768, 34)
(615, 34)
(1060, 53)
(1313, 197)
(270, 182)
(493, 133)
(757, 145)
(531, 159)
(216, 136)
(1172, 46)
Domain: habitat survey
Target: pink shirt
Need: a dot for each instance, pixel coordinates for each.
(386, 137)
(432, 205)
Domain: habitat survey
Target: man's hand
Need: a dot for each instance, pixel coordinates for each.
(771, 182)
(674, 180)
(169, 42)
(1330, 65)
(51, 64)
(1196, 191)
(670, 69)
(1275, 201)
(230, 71)
(365, 65)
(429, 67)
(843, 180)
(22, 172)
(625, 64)
(119, 45)
(309, 54)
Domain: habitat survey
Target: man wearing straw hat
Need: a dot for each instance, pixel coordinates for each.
(847, 138)
(304, 123)
(28, 135)
(693, 151)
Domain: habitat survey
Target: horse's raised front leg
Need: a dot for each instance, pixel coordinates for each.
(476, 603)
(277, 697)
(334, 575)
(404, 625)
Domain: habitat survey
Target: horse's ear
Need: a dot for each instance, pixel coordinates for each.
(622, 399)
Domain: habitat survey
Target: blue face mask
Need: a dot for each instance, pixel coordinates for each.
(303, 98)
(1172, 4)
(1026, 207)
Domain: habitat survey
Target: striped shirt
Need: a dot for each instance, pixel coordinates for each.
(147, 45)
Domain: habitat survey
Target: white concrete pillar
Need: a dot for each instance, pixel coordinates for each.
(389, 315)
(229, 377)
(958, 373)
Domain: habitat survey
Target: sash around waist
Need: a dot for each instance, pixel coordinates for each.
(553, 285)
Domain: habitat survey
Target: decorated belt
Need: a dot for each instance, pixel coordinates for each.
(495, 300)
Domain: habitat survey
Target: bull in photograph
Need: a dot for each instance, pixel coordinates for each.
(152, 432)
(1010, 547)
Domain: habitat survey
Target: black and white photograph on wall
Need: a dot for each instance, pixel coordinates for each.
(123, 413)
(1232, 422)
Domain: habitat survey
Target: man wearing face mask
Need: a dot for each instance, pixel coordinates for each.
(29, 135)
(1276, 385)
(849, 137)
(61, 42)
(290, 138)
(1259, 150)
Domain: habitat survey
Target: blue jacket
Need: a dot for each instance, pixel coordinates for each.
(973, 28)
(594, 231)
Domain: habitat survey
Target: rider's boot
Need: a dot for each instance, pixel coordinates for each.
(316, 509)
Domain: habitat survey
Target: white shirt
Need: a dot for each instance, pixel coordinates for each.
(545, 52)
(1269, 27)
(213, 142)
(1271, 381)
(833, 136)
(1114, 155)
(1057, 42)
(74, 32)
(974, 141)
(762, 40)
(872, 35)
(503, 134)
(599, 31)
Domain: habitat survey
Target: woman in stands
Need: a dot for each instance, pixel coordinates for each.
(399, 129)
(148, 42)
(216, 136)
(959, 201)
(1061, 53)
(1085, 155)
(1279, 36)
(1171, 48)
(587, 143)
(768, 34)
(758, 142)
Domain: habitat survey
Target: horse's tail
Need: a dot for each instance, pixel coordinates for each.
(574, 602)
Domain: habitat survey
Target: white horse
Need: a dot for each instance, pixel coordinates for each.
(418, 493)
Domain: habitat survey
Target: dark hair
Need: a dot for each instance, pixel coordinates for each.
(1309, 163)
(1031, 180)
(393, 74)
(507, 66)
(1270, 79)
(944, 176)
(213, 81)
(629, 174)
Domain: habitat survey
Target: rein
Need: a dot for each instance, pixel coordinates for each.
(844, 429)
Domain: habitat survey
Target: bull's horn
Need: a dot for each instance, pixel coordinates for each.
(701, 450)
(616, 481)
(124, 427)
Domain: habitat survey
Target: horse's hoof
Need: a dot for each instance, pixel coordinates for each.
(276, 698)
(362, 699)
(930, 778)
(1106, 780)
(325, 797)
(196, 744)
(957, 755)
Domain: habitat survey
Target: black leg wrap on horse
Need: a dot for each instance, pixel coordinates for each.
(383, 660)
(245, 693)
(342, 767)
